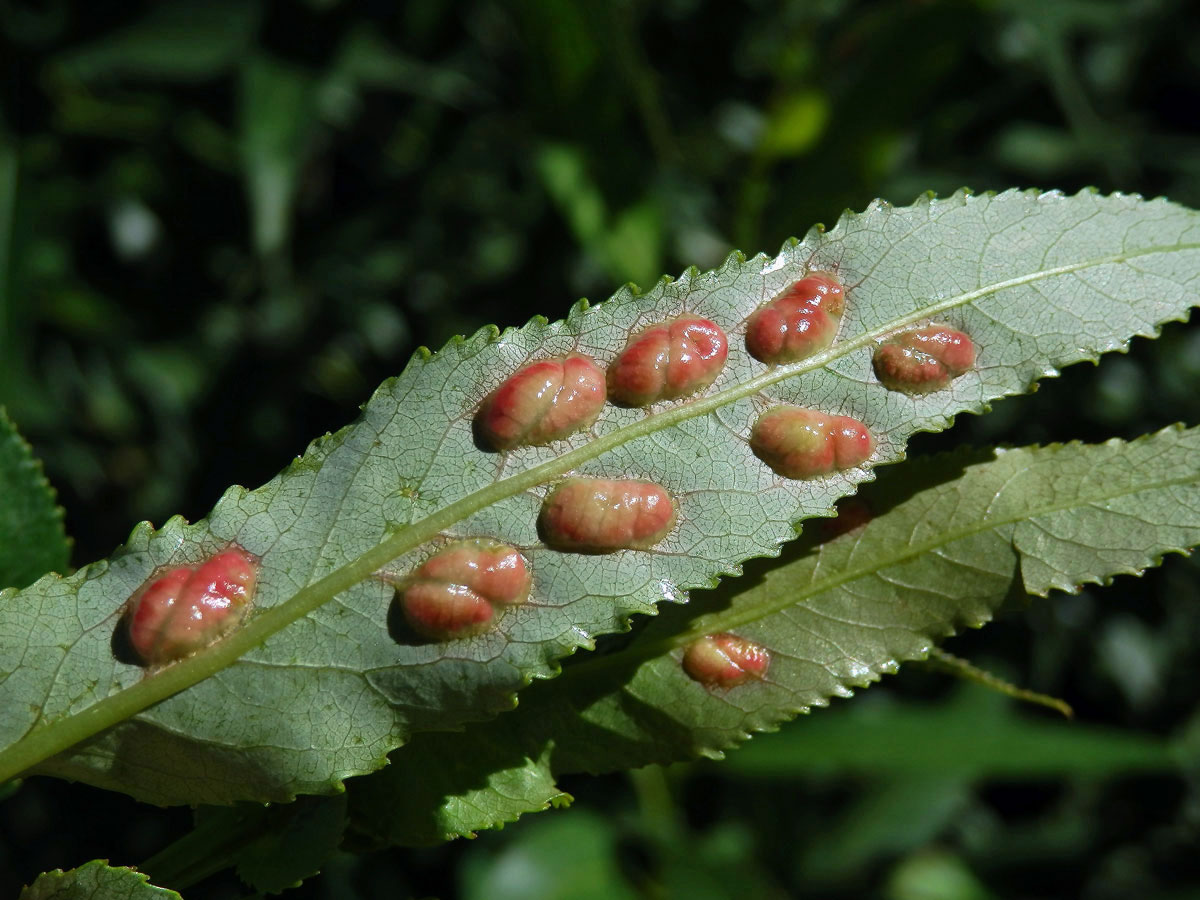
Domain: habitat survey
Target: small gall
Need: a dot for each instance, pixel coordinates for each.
(797, 323)
(804, 443)
(725, 660)
(923, 360)
(668, 361)
(543, 402)
(189, 607)
(453, 594)
(595, 515)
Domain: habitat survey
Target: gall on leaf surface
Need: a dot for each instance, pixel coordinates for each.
(187, 608)
(454, 593)
(805, 443)
(923, 359)
(800, 321)
(725, 660)
(668, 361)
(542, 402)
(952, 537)
(313, 688)
(605, 515)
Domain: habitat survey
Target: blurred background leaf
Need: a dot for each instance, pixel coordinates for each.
(32, 540)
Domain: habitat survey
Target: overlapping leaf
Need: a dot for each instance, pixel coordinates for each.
(315, 688)
(943, 555)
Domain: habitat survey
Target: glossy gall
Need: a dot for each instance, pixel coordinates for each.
(668, 361)
(543, 402)
(597, 515)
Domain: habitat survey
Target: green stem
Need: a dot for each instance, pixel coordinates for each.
(941, 661)
(641, 79)
(54, 737)
(1108, 146)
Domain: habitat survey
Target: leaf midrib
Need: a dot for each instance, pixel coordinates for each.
(50, 738)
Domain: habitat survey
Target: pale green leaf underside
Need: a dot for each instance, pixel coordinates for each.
(837, 617)
(95, 880)
(1039, 281)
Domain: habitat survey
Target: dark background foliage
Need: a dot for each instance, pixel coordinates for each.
(223, 222)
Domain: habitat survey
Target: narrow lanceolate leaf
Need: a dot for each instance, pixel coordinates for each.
(317, 683)
(936, 557)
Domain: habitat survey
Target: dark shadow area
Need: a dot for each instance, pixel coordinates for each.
(122, 646)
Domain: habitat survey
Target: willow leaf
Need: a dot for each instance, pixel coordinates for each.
(314, 688)
(942, 556)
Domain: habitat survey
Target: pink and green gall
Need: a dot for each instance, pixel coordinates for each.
(804, 443)
(668, 361)
(189, 607)
(542, 402)
(596, 515)
(725, 660)
(454, 593)
(797, 323)
(923, 360)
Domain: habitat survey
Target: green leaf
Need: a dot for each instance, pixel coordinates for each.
(96, 880)
(175, 40)
(944, 554)
(366, 60)
(302, 836)
(277, 113)
(885, 819)
(630, 245)
(977, 734)
(796, 123)
(574, 861)
(33, 540)
(273, 847)
(1038, 280)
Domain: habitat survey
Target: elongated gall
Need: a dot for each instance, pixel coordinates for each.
(455, 592)
(596, 515)
(542, 402)
(668, 361)
(923, 360)
(797, 323)
(189, 607)
(725, 660)
(805, 443)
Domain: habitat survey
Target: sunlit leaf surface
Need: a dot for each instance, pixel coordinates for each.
(317, 687)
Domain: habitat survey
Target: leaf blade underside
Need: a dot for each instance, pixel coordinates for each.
(314, 688)
(941, 554)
